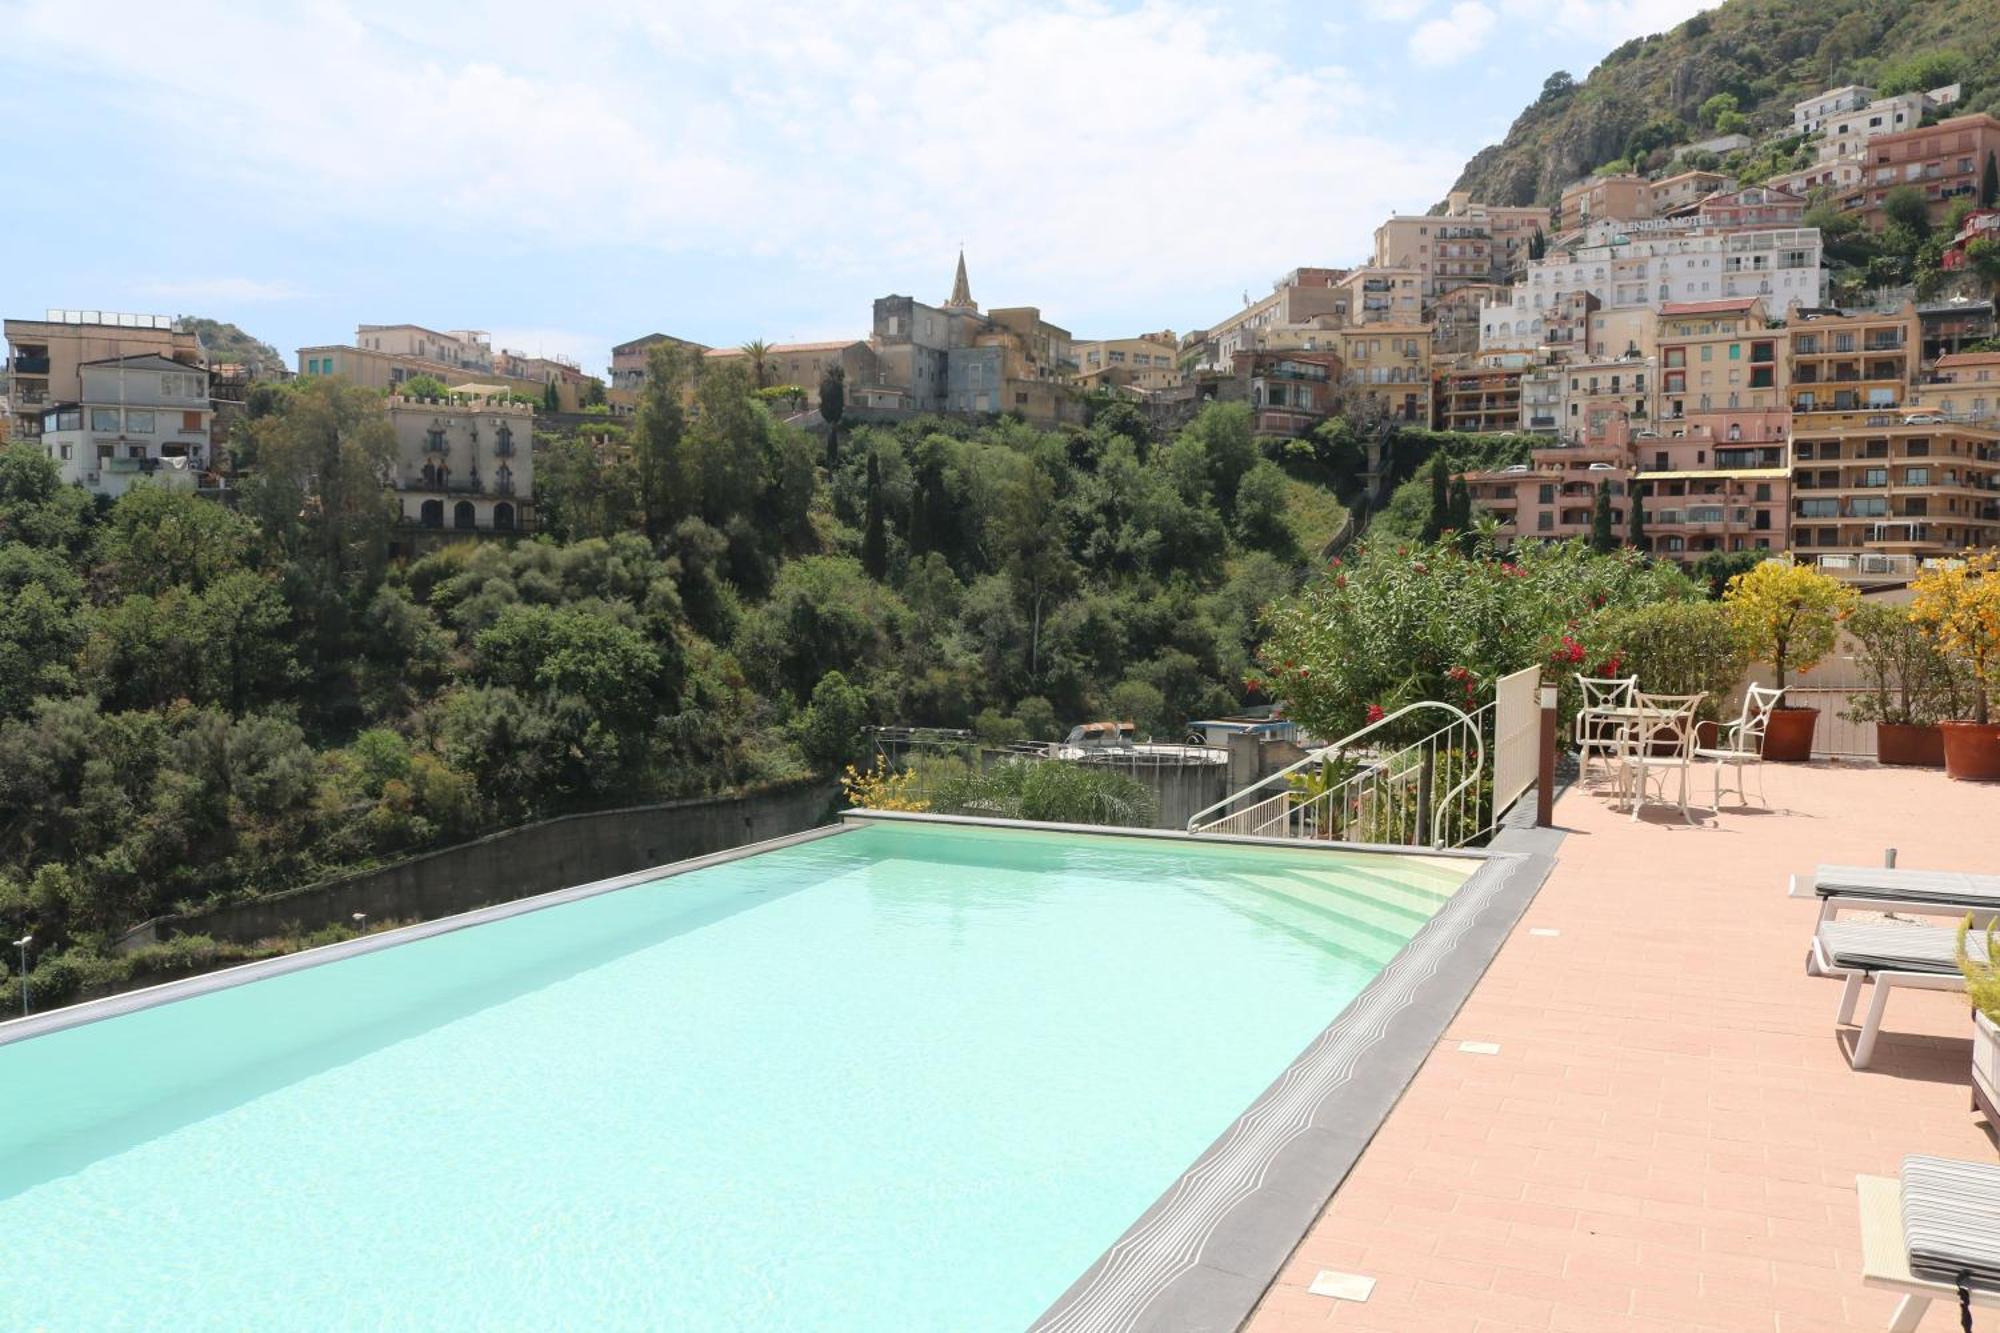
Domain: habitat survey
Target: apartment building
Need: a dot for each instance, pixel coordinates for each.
(462, 469)
(45, 355)
(802, 364)
(953, 358)
(1881, 482)
(1603, 199)
(1839, 177)
(1468, 243)
(1848, 361)
(1289, 392)
(1303, 298)
(1981, 224)
(466, 351)
(1948, 327)
(1682, 192)
(136, 418)
(572, 385)
(1963, 386)
(1946, 161)
(1483, 399)
(1150, 361)
(1718, 355)
(1847, 134)
(1541, 399)
(1383, 295)
(628, 360)
(1752, 208)
(1603, 396)
(1387, 368)
(1633, 272)
(1811, 115)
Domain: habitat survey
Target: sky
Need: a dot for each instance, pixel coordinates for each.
(570, 176)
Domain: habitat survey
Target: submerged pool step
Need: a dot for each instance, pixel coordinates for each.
(1363, 948)
(1351, 921)
(1371, 893)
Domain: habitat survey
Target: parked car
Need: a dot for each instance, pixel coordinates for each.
(1603, 467)
(1923, 419)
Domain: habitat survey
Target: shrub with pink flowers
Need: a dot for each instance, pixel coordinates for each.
(1401, 623)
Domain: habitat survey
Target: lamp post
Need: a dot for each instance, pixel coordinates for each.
(22, 944)
(361, 923)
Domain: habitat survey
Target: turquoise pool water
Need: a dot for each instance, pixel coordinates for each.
(901, 1077)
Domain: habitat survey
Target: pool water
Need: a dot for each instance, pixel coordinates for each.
(906, 1076)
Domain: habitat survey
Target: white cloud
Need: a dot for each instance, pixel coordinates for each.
(220, 291)
(1453, 36)
(1087, 157)
(1603, 22)
(1393, 11)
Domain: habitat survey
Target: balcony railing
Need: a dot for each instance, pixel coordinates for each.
(30, 365)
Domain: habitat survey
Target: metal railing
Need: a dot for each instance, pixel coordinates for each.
(1425, 793)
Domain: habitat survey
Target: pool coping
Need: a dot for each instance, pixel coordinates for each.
(206, 983)
(1202, 1256)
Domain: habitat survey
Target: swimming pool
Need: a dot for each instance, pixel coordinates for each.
(909, 1075)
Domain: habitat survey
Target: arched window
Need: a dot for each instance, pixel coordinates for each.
(431, 515)
(462, 514)
(503, 517)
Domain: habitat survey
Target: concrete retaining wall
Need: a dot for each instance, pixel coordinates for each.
(535, 858)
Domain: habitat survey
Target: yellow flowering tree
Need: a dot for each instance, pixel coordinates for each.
(1787, 614)
(1958, 606)
(883, 788)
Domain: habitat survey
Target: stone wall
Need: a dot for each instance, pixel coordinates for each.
(514, 863)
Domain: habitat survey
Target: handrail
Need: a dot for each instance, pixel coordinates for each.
(1319, 756)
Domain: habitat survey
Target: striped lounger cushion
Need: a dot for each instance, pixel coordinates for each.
(1895, 947)
(1951, 1219)
(1952, 886)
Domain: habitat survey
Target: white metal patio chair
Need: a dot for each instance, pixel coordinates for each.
(1598, 726)
(1741, 743)
(1660, 740)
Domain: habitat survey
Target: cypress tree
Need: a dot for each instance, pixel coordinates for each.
(551, 401)
(1989, 183)
(1636, 533)
(1602, 540)
(1461, 505)
(874, 539)
(1440, 500)
(832, 407)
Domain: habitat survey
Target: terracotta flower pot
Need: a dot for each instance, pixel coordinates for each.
(1707, 734)
(1902, 743)
(1972, 750)
(1788, 736)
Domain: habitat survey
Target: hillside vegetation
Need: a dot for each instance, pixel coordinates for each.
(223, 342)
(1655, 93)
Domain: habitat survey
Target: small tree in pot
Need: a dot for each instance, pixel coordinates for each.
(1958, 608)
(1911, 686)
(1789, 615)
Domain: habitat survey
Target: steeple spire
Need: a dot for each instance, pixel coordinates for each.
(961, 290)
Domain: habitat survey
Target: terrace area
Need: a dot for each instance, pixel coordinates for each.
(1656, 1125)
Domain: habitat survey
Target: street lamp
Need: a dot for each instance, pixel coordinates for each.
(22, 944)
(361, 923)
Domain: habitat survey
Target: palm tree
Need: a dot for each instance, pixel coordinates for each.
(759, 353)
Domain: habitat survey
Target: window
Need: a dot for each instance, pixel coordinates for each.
(190, 421)
(135, 451)
(1916, 448)
(1874, 476)
(104, 418)
(1736, 351)
(139, 423)
(1545, 521)
(1020, 399)
(1916, 476)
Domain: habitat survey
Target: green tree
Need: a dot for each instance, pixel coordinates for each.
(758, 353)
(1262, 499)
(155, 538)
(319, 492)
(1538, 245)
(1440, 515)
(551, 401)
(1635, 535)
(829, 728)
(1603, 538)
(35, 506)
(1989, 182)
(1460, 515)
(832, 408)
(1906, 206)
(874, 536)
(40, 629)
(1787, 614)
(423, 386)
(658, 434)
(1715, 106)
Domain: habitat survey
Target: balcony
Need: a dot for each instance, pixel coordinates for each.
(29, 365)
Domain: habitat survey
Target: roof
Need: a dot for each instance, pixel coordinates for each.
(145, 361)
(1707, 307)
(774, 349)
(1969, 359)
(1713, 474)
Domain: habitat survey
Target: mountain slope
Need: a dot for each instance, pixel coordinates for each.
(222, 342)
(1648, 94)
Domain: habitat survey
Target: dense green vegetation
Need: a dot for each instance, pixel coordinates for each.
(199, 702)
(222, 343)
(1735, 69)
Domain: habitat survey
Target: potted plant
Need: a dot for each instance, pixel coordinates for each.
(1789, 615)
(1958, 608)
(1982, 987)
(1911, 686)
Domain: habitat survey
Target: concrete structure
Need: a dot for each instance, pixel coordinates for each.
(1383, 296)
(463, 468)
(572, 385)
(1721, 145)
(44, 356)
(802, 364)
(1981, 225)
(1876, 482)
(1811, 115)
(628, 359)
(1711, 357)
(137, 418)
(466, 351)
(1964, 386)
(1837, 177)
(952, 358)
(1455, 320)
(1946, 161)
(1468, 243)
(1634, 272)
(1846, 134)
(1289, 392)
(1387, 369)
(1149, 361)
(1305, 298)
(1948, 327)
(1482, 399)
(1844, 361)
(1541, 399)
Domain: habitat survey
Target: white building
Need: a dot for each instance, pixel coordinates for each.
(140, 418)
(465, 349)
(464, 466)
(1810, 116)
(1635, 272)
(1845, 134)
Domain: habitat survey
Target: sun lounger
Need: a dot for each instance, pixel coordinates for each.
(1893, 955)
(1876, 888)
(1920, 1233)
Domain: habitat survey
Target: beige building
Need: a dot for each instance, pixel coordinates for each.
(1850, 361)
(1601, 199)
(953, 358)
(1719, 355)
(1601, 397)
(1305, 298)
(802, 364)
(1876, 482)
(1468, 243)
(468, 351)
(1383, 295)
(44, 357)
(628, 360)
(464, 469)
(1388, 367)
(1964, 386)
(1680, 193)
(1150, 361)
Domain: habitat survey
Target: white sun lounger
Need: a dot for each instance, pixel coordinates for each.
(1879, 889)
(1885, 1255)
(1891, 954)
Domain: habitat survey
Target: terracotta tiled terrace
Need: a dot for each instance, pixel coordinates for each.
(1668, 1137)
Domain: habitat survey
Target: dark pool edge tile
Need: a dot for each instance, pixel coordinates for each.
(1204, 1253)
